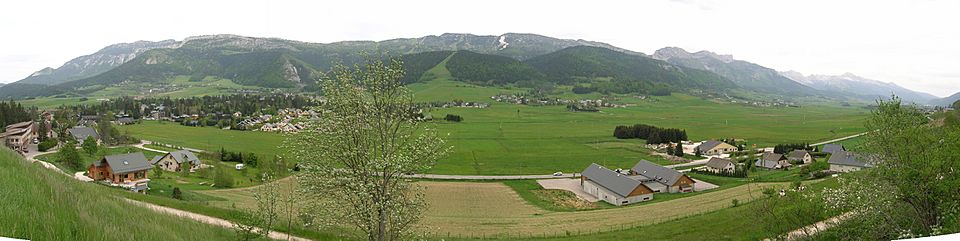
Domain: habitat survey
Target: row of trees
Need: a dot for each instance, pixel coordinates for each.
(250, 159)
(737, 172)
(653, 134)
(787, 148)
(222, 104)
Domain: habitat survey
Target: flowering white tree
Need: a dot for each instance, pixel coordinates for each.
(914, 188)
(354, 156)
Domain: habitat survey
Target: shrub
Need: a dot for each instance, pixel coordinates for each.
(177, 194)
(47, 144)
(223, 178)
(454, 118)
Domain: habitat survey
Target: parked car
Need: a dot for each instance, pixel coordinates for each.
(239, 166)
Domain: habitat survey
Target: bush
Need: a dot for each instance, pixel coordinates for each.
(177, 194)
(583, 89)
(223, 178)
(454, 118)
(46, 145)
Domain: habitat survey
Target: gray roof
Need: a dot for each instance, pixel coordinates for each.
(718, 163)
(127, 163)
(798, 154)
(770, 160)
(832, 148)
(707, 145)
(845, 158)
(609, 179)
(766, 164)
(656, 172)
(182, 156)
(82, 132)
(156, 159)
(774, 157)
(125, 120)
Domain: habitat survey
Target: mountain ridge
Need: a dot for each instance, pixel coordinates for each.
(850, 83)
(745, 74)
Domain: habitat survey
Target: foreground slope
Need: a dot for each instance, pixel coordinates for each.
(39, 204)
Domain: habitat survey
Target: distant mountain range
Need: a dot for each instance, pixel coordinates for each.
(495, 60)
(743, 73)
(946, 101)
(855, 85)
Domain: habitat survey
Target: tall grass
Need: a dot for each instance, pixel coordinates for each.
(39, 204)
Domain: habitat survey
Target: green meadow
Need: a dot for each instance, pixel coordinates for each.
(518, 139)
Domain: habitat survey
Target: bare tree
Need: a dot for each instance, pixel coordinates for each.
(354, 156)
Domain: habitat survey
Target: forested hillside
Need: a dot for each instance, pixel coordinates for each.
(489, 69)
(625, 73)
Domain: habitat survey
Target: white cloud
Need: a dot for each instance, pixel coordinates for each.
(911, 43)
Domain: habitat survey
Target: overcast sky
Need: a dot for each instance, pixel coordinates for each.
(915, 44)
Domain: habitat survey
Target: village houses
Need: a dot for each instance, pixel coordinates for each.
(771, 160)
(174, 161)
(718, 165)
(843, 161)
(800, 156)
(124, 170)
(712, 147)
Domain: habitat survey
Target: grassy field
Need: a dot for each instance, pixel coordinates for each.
(494, 209)
(206, 138)
(540, 140)
(520, 139)
(39, 204)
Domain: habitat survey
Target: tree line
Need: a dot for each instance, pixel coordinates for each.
(787, 148)
(12, 112)
(224, 104)
(653, 134)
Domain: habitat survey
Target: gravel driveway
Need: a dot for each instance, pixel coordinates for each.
(572, 185)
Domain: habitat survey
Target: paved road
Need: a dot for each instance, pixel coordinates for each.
(146, 142)
(480, 177)
(693, 163)
(208, 220)
(838, 139)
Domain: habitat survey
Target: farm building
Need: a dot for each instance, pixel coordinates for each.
(771, 160)
(843, 161)
(715, 148)
(800, 156)
(613, 187)
(124, 170)
(720, 165)
(661, 179)
(832, 148)
(174, 160)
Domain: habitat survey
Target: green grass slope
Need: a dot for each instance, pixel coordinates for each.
(39, 204)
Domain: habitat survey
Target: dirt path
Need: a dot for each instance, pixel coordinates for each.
(207, 219)
(815, 228)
